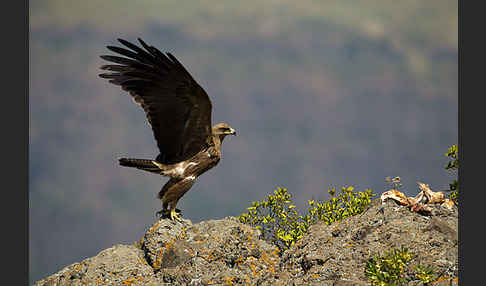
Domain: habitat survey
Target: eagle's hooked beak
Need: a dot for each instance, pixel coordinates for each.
(232, 132)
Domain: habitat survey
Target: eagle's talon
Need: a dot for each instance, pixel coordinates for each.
(174, 215)
(165, 213)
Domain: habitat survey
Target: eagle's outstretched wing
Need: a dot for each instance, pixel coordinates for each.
(177, 107)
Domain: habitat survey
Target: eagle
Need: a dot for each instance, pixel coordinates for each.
(179, 112)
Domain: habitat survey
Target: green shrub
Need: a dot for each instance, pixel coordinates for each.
(282, 225)
(452, 167)
(277, 218)
(348, 203)
(388, 269)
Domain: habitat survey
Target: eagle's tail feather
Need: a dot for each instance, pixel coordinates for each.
(143, 164)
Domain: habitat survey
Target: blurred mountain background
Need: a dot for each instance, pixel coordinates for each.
(322, 94)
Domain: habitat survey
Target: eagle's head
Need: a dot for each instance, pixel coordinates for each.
(222, 129)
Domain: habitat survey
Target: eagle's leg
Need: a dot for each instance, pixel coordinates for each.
(170, 194)
(164, 196)
(174, 214)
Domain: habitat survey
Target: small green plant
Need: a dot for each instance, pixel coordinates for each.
(425, 273)
(388, 269)
(452, 167)
(282, 225)
(277, 218)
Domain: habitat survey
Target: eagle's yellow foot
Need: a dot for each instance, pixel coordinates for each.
(165, 213)
(174, 215)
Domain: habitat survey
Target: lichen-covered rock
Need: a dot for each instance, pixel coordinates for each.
(118, 265)
(226, 252)
(216, 252)
(212, 252)
(159, 240)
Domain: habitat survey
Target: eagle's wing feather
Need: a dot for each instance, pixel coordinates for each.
(176, 106)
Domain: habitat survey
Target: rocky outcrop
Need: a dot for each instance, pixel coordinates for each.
(226, 252)
(211, 252)
(118, 265)
(336, 254)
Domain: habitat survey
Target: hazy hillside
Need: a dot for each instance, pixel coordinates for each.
(323, 93)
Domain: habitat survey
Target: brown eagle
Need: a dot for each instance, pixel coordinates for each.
(179, 111)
